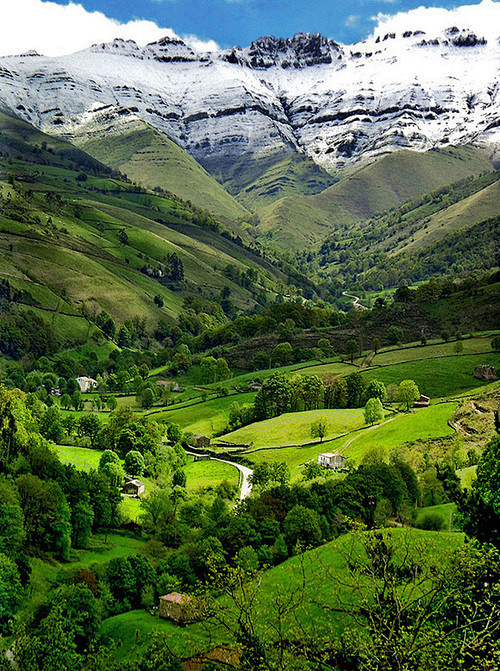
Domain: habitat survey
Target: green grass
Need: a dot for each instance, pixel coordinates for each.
(207, 418)
(295, 428)
(422, 424)
(470, 346)
(436, 377)
(324, 569)
(298, 221)
(444, 510)
(295, 457)
(46, 575)
(151, 159)
(467, 476)
(201, 474)
(83, 458)
(130, 509)
(103, 548)
(458, 217)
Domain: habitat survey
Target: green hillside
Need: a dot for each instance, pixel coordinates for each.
(400, 176)
(458, 217)
(257, 182)
(76, 240)
(379, 186)
(311, 584)
(151, 159)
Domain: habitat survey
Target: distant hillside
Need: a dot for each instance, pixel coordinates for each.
(256, 182)
(395, 178)
(76, 242)
(450, 230)
(149, 158)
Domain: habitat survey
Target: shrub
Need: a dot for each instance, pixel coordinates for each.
(430, 522)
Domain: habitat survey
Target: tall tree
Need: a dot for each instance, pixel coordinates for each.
(352, 349)
(408, 393)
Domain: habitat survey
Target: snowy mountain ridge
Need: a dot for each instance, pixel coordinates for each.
(338, 104)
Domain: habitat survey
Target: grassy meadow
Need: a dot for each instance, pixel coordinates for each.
(83, 458)
(202, 474)
(395, 430)
(317, 574)
(436, 377)
(207, 417)
(295, 428)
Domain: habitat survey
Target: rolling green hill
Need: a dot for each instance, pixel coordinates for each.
(379, 186)
(257, 182)
(151, 159)
(318, 575)
(76, 239)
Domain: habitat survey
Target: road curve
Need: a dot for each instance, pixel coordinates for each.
(355, 303)
(246, 483)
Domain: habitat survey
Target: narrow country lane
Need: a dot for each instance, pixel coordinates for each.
(355, 303)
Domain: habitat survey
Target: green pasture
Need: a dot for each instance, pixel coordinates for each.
(436, 377)
(295, 428)
(421, 424)
(324, 571)
(201, 474)
(470, 346)
(295, 456)
(102, 548)
(208, 417)
(130, 508)
(444, 510)
(83, 458)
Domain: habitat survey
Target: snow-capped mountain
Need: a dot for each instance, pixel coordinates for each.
(338, 104)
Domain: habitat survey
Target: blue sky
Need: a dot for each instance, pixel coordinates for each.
(58, 27)
(237, 22)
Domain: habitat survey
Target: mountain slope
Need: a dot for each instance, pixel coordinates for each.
(340, 105)
(401, 176)
(294, 222)
(458, 217)
(450, 230)
(74, 244)
(260, 181)
(149, 158)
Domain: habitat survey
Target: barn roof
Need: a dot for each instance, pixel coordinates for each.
(176, 597)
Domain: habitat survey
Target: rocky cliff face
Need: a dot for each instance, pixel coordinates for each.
(338, 104)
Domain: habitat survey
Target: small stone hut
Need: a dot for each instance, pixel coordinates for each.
(422, 402)
(133, 487)
(179, 608)
(199, 440)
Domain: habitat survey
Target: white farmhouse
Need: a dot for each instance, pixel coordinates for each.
(86, 384)
(332, 460)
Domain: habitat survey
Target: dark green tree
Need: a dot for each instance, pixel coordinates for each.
(134, 463)
(352, 349)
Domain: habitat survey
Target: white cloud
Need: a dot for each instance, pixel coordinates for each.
(53, 29)
(482, 18)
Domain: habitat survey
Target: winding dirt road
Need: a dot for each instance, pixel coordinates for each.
(356, 304)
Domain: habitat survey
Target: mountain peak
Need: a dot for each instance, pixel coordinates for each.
(301, 50)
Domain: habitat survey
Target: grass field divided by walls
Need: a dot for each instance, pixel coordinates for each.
(322, 568)
(436, 377)
(295, 428)
(201, 474)
(207, 418)
(421, 424)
